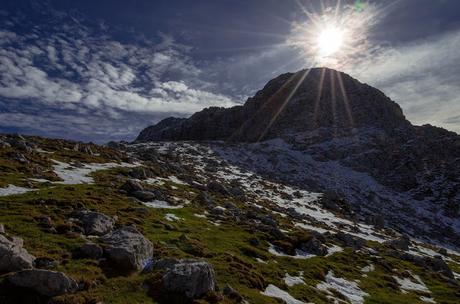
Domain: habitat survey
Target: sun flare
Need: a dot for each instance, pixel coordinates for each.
(329, 41)
(335, 36)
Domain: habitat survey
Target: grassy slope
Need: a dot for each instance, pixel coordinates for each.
(226, 246)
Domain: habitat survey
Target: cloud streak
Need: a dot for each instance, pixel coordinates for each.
(422, 77)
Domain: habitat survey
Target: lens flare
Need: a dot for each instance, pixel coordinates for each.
(330, 41)
(336, 35)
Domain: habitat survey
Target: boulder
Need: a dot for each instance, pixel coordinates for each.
(214, 186)
(127, 249)
(437, 264)
(45, 282)
(13, 257)
(131, 186)
(141, 173)
(349, 240)
(94, 223)
(45, 263)
(231, 293)
(401, 243)
(144, 196)
(314, 246)
(89, 251)
(204, 199)
(192, 278)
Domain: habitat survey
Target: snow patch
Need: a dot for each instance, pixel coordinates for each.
(299, 253)
(274, 292)
(172, 217)
(333, 249)
(368, 268)
(348, 289)
(411, 284)
(72, 175)
(12, 190)
(427, 300)
(161, 205)
(40, 180)
(43, 151)
(292, 280)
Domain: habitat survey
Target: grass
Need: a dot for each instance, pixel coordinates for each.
(227, 247)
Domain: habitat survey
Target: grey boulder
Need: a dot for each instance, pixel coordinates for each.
(131, 186)
(144, 195)
(314, 246)
(127, 249)
(13, 256)
(401, 243)
(94, 223)
(90, 251)
(193, 278)
(45, 282)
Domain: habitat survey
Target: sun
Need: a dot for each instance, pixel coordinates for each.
(330, 41)
(336, 36)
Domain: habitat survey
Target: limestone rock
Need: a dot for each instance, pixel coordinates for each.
(13, 256)
(127, 249)
(94, 223)
(45, 282)
(193, 278)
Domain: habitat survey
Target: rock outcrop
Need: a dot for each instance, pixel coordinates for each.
(45, 282)
(94, 223)
(193, 278)
(127, 249)
(13, 256)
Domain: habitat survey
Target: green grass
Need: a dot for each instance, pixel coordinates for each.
(227, 247)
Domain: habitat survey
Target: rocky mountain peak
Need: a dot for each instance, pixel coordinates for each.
(290, 103)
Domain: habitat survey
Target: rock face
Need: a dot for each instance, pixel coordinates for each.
(193, 278)
(94, 223)
(45, 282)
(127, 249)
(13, 256)
(298, 105)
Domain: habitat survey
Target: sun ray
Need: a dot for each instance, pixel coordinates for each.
(333, 103)
(284, 104)
(318, 96)
(249, 120)
(345, 99)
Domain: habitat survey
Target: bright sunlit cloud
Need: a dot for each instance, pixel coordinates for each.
(336, 35)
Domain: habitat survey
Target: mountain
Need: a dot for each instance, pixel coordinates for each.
(330, 209)
(326, 121)
(293, 102)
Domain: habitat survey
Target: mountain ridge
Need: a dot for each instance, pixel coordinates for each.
(300, 101)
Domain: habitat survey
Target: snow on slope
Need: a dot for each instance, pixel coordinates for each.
(257, 167)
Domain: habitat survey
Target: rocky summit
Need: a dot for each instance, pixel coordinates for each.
(294, 102)
(316, 190)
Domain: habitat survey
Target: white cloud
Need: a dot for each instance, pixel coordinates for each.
(422, 77)
(101, 73)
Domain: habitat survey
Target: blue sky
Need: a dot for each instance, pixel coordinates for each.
(103, 70)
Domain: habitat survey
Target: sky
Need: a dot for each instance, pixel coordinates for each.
(103, 70)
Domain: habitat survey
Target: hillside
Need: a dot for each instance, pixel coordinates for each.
(175, 223)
